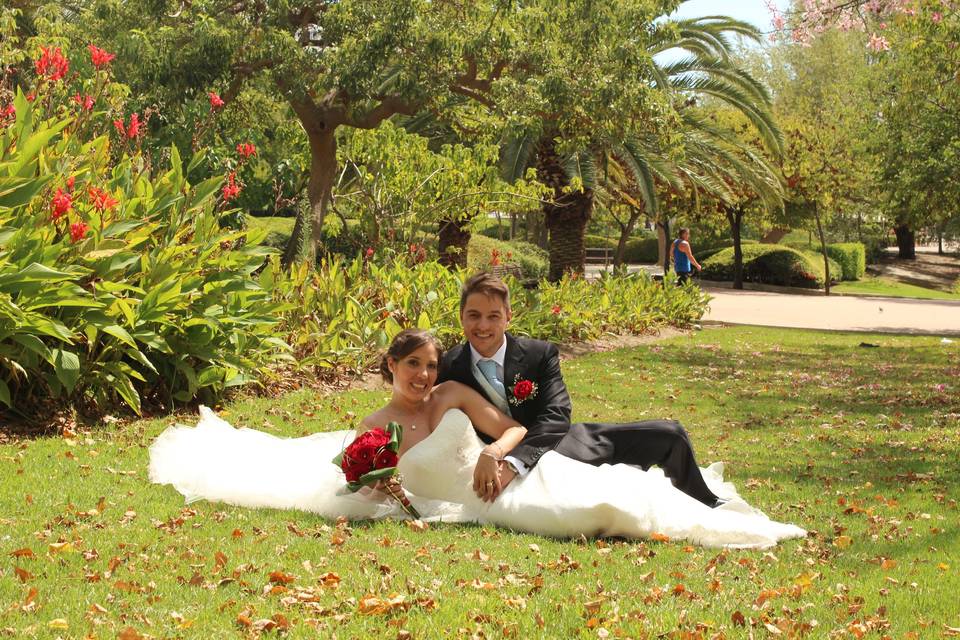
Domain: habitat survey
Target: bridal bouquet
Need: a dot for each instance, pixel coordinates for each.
(372, 458)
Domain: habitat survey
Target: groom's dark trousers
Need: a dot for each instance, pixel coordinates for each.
(546, 415)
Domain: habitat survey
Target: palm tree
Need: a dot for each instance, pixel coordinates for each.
(707, 72)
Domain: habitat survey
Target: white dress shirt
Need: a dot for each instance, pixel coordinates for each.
(499, 358)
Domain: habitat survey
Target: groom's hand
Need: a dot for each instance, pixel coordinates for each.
(507, 474)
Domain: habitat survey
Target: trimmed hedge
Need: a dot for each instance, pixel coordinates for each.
(642, 250)
(770, 264)
(712, 251)
(852, 258)
(599, 241)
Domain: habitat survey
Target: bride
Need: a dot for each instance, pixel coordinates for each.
(450, 474)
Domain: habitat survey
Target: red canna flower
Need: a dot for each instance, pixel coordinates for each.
(135, 127)
(131, 131)
(101, 200)
(231, 190)
(7, 115)
(215, 101)
(369, 253)
(70, 182)
(61, 204)
(52, 64)
(78, 230)
(246, 150)
(99, 57)
(556, 309)
(85, 101)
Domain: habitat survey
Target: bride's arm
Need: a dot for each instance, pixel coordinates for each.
(489, 420)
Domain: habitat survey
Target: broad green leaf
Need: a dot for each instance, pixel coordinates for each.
(67, 367)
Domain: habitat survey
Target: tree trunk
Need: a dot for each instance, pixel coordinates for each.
(774, 235)
(823, 249)
(454, 242)
(323, 173)
(625, 231)
(735, 218)
(664, 244)
(565, 217)
(294, 249)
(906, 242)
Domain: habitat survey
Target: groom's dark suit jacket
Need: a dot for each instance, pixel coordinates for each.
(546, 415)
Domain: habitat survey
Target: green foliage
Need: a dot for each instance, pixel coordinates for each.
(851, 257)
(590, 240)
(149, 298)
(531, 259)
(712, 251)
(576, 309)
(341, 316)
(394, 183)
(277, 230)
(770, 264)
(642, 251)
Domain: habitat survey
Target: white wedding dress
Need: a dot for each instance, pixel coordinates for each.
(559, 497)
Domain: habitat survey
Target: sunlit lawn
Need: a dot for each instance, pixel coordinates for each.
(891, 288)
(858, 445)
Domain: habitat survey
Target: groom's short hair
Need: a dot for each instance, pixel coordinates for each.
(487, 284)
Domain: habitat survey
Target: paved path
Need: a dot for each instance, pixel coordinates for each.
(845, 313)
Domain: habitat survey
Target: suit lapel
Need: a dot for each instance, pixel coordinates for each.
(512, 362)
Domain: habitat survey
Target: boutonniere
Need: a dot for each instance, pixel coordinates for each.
(522, 390)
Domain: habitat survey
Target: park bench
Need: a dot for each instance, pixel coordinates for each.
(502, 270)
(599, 255)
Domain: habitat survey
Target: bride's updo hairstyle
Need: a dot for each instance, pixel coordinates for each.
(405, 343)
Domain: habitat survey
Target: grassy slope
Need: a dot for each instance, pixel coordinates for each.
(891, 288)
(857, 445)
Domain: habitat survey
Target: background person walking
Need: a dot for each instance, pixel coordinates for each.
(683, 256)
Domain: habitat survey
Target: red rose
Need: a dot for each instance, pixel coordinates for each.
(385, 459)
(367, 453)
(522, 390)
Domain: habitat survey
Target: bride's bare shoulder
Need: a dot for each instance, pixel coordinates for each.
(375, 419)
(452, 388)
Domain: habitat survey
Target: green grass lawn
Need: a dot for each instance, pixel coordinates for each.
(891, 288)
(858, 445)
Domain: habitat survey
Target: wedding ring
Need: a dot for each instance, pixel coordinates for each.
(489, 483)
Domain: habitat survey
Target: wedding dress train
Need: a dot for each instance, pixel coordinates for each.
(559, 497)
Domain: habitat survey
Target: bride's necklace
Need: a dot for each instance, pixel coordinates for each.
(411, 417)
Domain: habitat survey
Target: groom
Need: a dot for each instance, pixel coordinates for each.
(522, 377)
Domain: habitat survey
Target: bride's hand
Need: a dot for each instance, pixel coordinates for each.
(486, 478)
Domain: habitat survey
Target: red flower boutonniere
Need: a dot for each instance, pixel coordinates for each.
(522, 390)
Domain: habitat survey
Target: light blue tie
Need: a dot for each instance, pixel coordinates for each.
(489, 370)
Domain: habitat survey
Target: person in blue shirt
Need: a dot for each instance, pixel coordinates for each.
(683, 260)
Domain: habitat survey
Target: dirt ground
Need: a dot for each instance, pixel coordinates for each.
(928, 270)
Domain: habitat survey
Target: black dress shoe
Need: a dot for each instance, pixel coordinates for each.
(719, 502)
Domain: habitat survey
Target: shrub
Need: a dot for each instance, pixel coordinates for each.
(642, 250)
(600, 242)
(115, 284)
(704, 254)
(769, 264)
(852, 258)
(532, 260)
(277, 229)
(342, 315)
